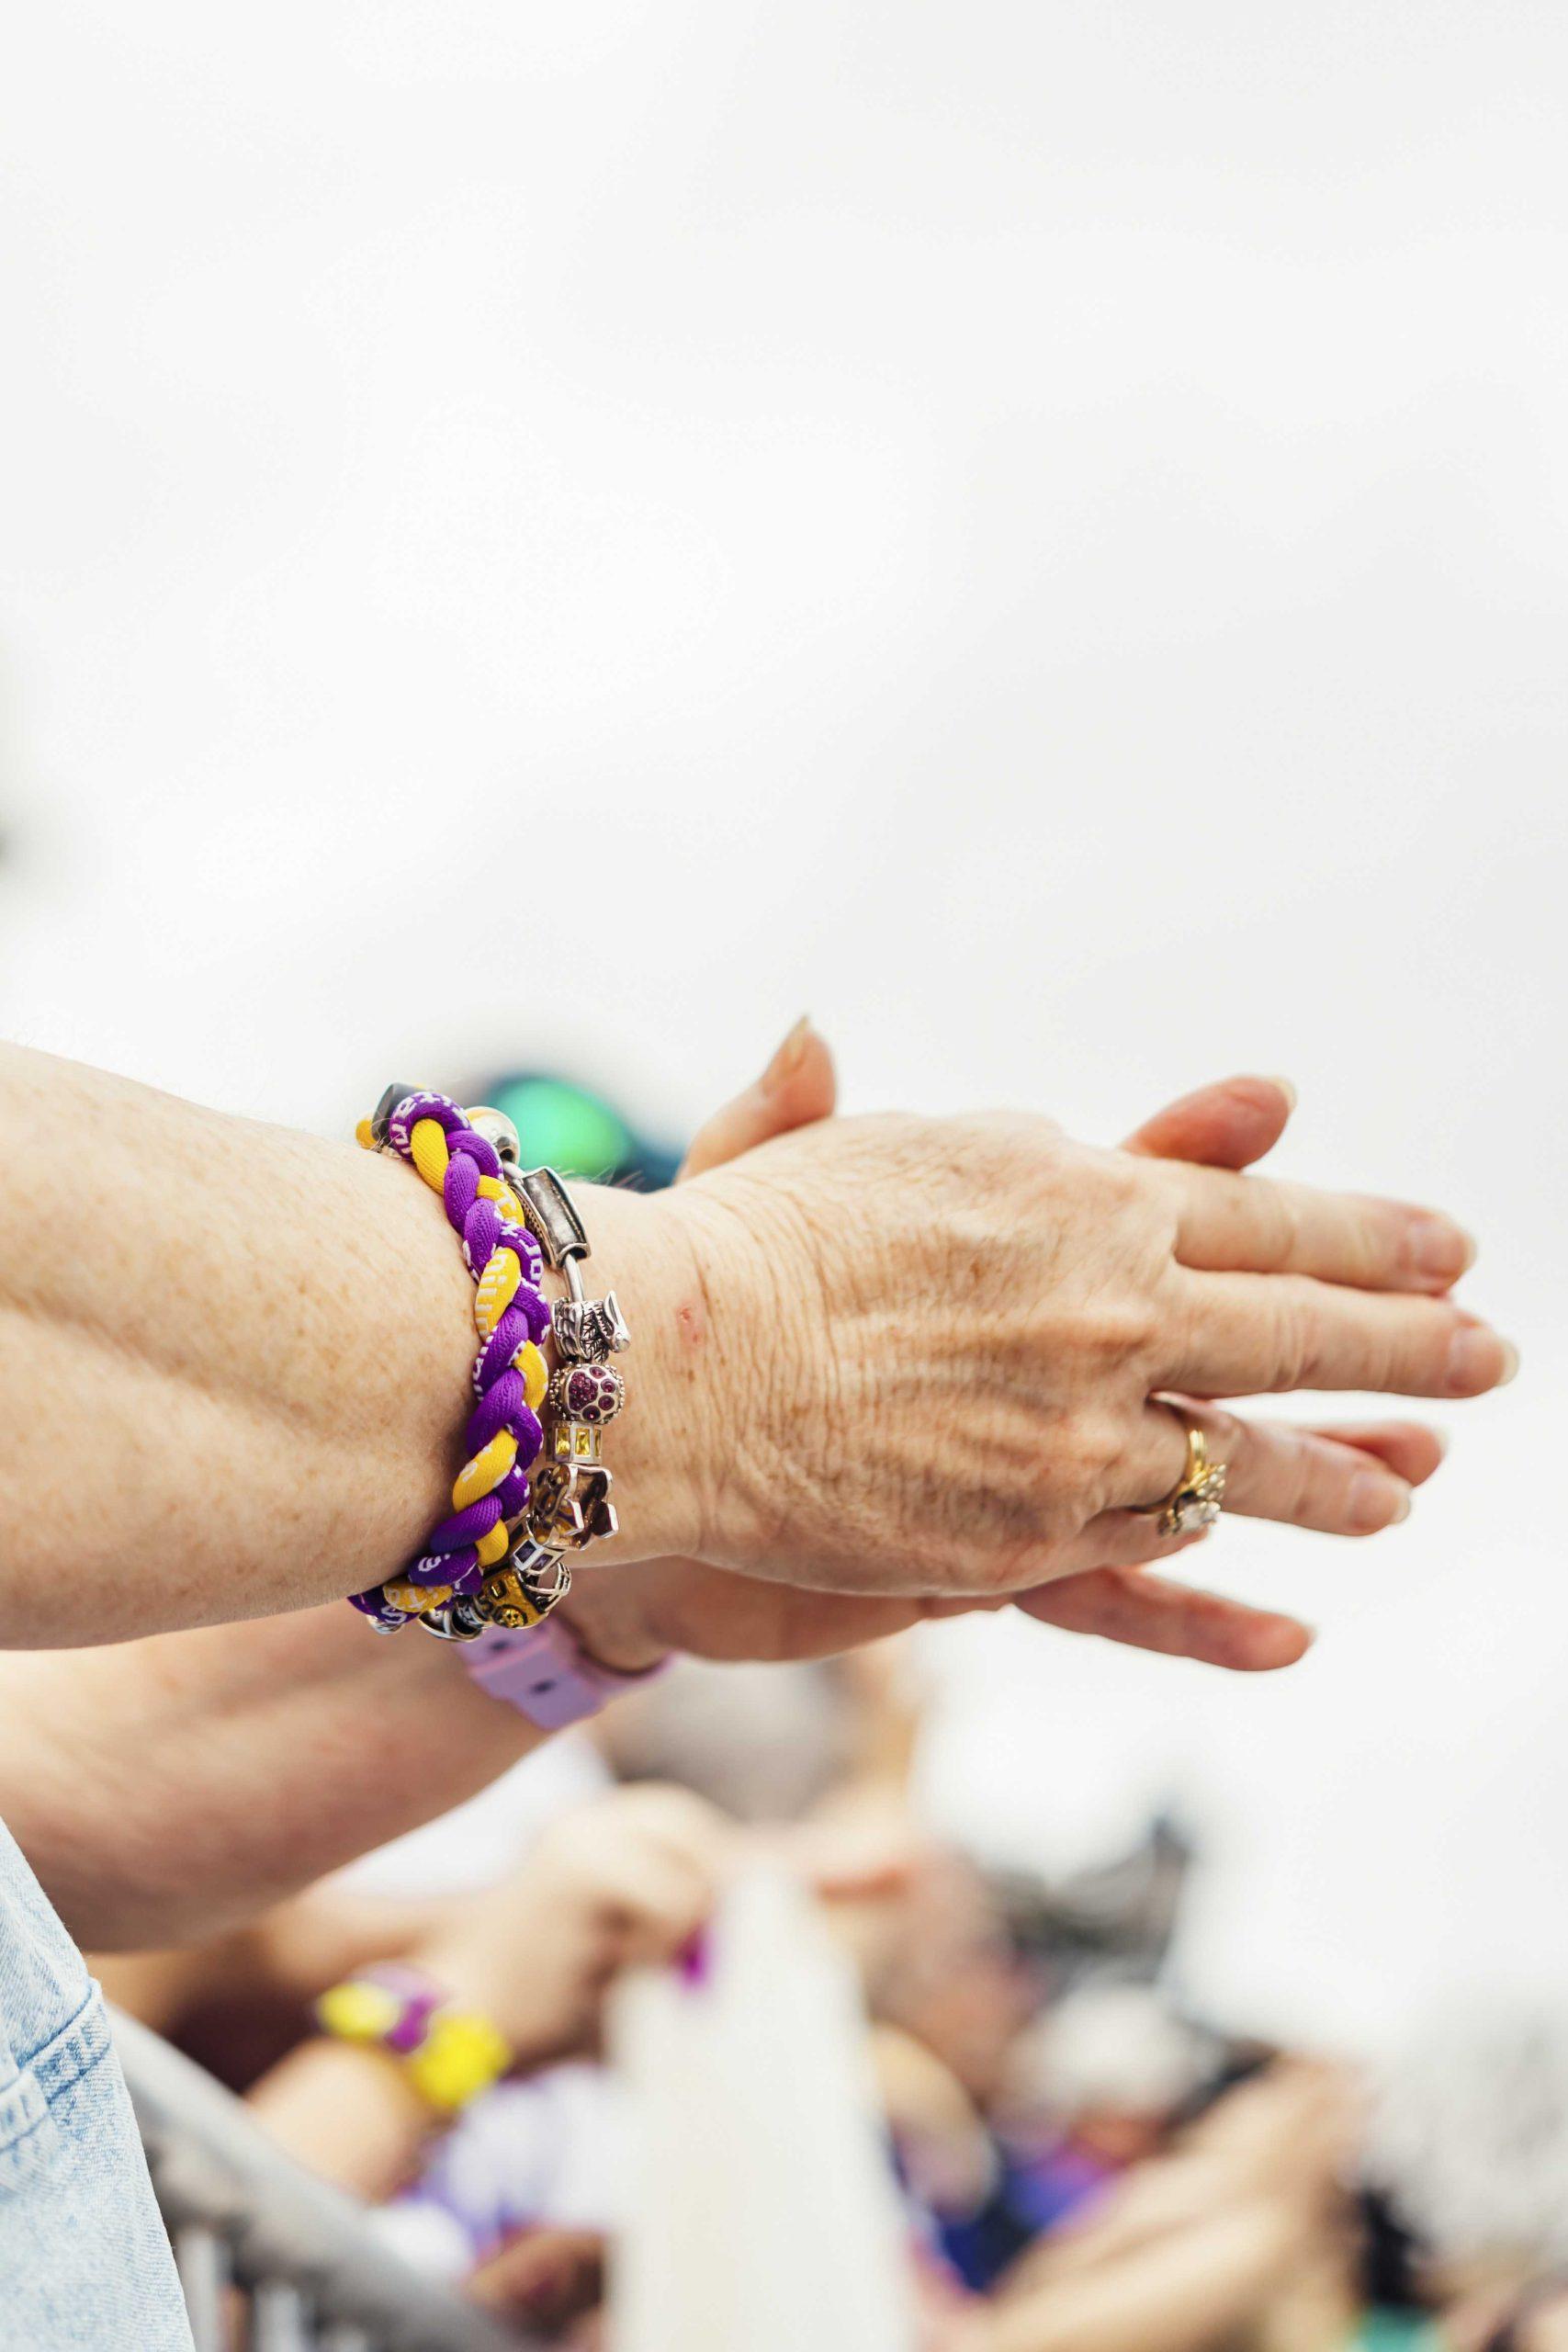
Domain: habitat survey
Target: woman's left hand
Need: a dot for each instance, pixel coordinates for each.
(630, 1614)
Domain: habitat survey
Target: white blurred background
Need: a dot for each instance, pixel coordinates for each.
(1035, 533)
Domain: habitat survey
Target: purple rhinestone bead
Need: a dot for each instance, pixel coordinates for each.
(588, 1392)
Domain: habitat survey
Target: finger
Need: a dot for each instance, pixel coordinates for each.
(848, 1861)
(1149, 1613)
(797, 1088)
(658, 1903)
(1412, 1450)
(1245, 1334)
(663, 1817)
(1127, 1538)
(1304, 1478)
(1229, 1124)
(714, 1614)
(1248, 1224)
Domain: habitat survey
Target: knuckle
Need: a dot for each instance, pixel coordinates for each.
(1367, 1238)
(1007, 1148)
(1425, 1358)
(1376, 1240)
(1276, 1222)
(1120, 1183)
(1389, 1353)
(1092, 1446)
(1304, 1483)
(1117, 1330)
(1293, 1338)
(1286, 1237)
(1067, 1488)
(1229, 1436)
(1060, 1512)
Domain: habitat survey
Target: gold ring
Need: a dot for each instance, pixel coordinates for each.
(1198, 1497)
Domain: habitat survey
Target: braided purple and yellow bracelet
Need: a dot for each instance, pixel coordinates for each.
(493, 1560)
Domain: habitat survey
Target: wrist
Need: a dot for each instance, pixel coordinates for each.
(663, 1446)
(609, 1614)
(450, 2044)
(491, 1985)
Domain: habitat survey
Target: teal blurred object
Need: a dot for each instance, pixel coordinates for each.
(568, 1127)
(1393, 2330)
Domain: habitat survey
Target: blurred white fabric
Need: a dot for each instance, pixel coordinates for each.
(1468, 2129)
(1034, 532)
(760, 2210)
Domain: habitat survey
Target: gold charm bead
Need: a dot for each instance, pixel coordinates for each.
(509, 1602)
(577, 1442)
(416, 1597)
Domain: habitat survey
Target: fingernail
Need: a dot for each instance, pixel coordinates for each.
(1286, 1089)
(1440, 1249)
(1376, 1502)
(1473, 1361)
(789, 1057)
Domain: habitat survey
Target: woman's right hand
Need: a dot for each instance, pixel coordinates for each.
(918, 1357)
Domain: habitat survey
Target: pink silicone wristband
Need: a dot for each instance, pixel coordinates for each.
(544, 1672)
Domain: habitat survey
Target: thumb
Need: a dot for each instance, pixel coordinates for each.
(1230, 1124)
(796, 1090)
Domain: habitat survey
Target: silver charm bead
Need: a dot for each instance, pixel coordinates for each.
(590, 1330)
(497, 1129)
(453, 1622)
(552, 1219)
(571, 1506)
(534, 1560)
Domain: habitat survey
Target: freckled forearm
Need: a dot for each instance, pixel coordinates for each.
(175, 1787)
(234, 1362)
(234, 1370)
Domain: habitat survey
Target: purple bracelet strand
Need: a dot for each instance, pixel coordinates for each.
(431, 1132)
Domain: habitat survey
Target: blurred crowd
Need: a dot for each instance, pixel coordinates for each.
(1082, 2164)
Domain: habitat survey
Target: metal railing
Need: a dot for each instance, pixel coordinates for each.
(270, 2257)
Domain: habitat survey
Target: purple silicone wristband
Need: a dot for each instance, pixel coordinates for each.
(544, 1672)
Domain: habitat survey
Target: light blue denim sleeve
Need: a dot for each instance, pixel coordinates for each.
(84, 2265)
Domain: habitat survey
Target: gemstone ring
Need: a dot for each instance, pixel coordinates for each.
(1198, 1497)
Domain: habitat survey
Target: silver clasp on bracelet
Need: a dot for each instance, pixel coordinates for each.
(570, 1505)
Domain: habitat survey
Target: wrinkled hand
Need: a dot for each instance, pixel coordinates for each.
(1350, 1480)
(933, 1347)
